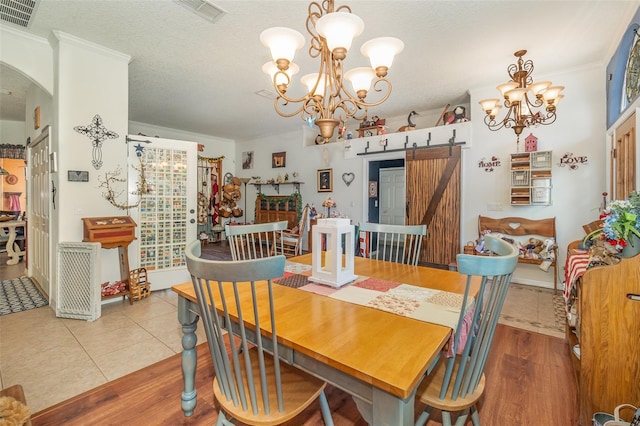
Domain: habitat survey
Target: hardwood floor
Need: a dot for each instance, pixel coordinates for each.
(530, 381)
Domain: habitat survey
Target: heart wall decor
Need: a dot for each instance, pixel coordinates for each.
(348, 178)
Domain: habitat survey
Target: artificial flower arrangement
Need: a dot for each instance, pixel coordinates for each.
(621, 220)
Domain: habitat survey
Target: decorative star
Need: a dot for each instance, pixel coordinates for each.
(97, 133)
(139, 149)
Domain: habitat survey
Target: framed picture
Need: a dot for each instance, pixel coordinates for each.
(247, 160)
(373, 189)
(278, 159)
(325, 180)
(78, 176)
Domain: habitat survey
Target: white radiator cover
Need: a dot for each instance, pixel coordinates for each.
(79, 293)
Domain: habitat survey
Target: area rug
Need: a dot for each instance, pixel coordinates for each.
(20, 294)
(534, 309)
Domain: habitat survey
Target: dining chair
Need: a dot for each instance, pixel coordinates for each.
(456, 383)
(255, 241)
(393, 243)
(250, 383)
(292, 238)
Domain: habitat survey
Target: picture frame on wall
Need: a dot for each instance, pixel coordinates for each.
(373, 189)
(278, 159)
(325, 180)
(247, 160)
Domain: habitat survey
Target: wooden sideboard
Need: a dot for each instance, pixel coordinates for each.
(278, 207)
(608, 330)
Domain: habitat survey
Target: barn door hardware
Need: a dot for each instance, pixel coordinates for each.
(450, 143)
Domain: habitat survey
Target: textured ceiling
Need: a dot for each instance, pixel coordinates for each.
(187, 73)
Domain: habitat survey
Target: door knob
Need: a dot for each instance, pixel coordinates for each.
(192, 211)
(192, 221)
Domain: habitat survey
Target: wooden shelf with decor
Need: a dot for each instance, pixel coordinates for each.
(531, 178)
(607, 307)
(113, 232)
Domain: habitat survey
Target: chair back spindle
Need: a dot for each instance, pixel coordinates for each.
(255, 241)
(394, 243)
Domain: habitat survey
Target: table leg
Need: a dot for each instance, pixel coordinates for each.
(13, 250)
(388, 409)
(189, 322)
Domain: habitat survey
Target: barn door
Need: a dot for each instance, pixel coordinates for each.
(433, 199)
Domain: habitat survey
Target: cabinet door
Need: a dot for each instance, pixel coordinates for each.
(624, 160)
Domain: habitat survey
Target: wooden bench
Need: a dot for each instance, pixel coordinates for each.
(520, 227)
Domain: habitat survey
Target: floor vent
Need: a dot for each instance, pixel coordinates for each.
(203, 8)
(79, 293)
(18, 12)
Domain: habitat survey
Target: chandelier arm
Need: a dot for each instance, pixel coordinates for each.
(315, 47)
(279, 102)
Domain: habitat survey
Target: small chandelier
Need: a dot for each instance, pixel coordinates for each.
(332, 31)
(524, 98)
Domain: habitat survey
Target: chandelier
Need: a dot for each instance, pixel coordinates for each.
(328, 101)
(528, 103)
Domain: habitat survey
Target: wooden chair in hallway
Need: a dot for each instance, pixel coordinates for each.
(292, 238)
(251, 384)
(255, 241)
(393, 243)
(456, 383)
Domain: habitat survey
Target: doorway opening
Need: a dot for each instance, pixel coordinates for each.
(375, 201)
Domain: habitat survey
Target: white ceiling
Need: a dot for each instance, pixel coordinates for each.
(187, 73)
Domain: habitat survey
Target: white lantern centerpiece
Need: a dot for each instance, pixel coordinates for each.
(335, 268)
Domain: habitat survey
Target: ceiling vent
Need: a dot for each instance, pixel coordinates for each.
(203, 8)
(18, 12)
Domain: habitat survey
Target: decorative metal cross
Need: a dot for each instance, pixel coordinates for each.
(98, 134)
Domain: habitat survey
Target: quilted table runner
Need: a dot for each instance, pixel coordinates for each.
(424, 304)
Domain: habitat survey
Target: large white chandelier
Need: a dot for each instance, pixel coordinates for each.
(528, 103)
(332, 31)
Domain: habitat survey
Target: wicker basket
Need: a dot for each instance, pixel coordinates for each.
(138, 283)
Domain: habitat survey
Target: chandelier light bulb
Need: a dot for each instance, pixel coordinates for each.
(552, 92)
(488, 104)
(539, 87)
(310, 80)
(515, 95)
(283, 43)
(339, 29)
(381, 52)
(360, 79)
(505, 87)
(270, 68)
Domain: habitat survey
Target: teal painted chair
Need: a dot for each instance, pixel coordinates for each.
(456, 383)
(394, 243)
(255, 241)
(250, 384)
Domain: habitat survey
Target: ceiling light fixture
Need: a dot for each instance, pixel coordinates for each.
(332, 31)
(529, 103)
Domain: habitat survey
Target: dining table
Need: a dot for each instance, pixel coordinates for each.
(9, 233)
(378, 357)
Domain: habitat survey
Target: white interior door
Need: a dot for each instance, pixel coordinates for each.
(166, 215)
(38, 205)
(391, 196)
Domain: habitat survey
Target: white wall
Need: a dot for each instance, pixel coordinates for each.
(12, 132)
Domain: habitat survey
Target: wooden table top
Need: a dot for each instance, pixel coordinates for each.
(389, 351)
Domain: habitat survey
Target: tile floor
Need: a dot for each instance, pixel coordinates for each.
(57, 358)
